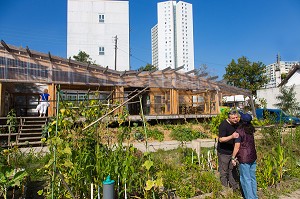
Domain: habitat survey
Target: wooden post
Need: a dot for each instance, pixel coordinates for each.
(174, 101)
(52, 93)
(206, 102)
(217, 102)
(119, 97)
(1, 99)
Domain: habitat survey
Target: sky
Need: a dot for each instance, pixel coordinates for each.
(223, 29)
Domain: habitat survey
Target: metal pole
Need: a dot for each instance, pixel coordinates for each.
(116, 47)
(54, 147)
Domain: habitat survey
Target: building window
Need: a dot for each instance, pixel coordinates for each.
(101, 18)
(101, 50)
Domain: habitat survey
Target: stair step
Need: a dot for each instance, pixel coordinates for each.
(32, 121)
(35, 129)
(28, 134)
(29, 138)
(27, 143)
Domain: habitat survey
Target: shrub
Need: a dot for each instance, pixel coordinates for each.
(184, 134)
(156, 134)
(216, 121)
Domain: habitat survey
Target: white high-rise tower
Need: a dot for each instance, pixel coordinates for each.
(172, 37)
(101, 29)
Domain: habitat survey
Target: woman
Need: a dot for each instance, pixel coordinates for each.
(44, 98)
(244, 153)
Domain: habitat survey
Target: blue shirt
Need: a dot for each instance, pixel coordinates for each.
(45, 96)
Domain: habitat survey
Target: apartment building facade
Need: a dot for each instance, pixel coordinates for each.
(274, 71)
(172, 36)
(101, 29)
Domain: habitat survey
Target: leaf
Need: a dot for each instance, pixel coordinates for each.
(40, 192)
(68, 150)
(159, 182)
(149, 185)
(68, 163)
(148, 164)
(19, 176)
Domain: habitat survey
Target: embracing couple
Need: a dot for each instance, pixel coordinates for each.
(237, 154)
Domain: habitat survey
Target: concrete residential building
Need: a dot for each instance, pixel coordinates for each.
(274, 71)
(270, 94)
(172, 36)
(101, 29)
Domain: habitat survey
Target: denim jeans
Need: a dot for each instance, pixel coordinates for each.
(248, 180)
(228, 173)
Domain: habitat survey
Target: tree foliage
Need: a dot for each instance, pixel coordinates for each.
(148, 67)
(287, 100)
(246, 74)
(83, 57)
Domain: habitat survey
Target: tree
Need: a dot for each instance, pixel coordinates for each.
(83, 57)
(148, 67)
(203, 69)
(287, 100)
(283, 76)
(246, 74)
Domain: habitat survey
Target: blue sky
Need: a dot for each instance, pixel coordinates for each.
(223, 29)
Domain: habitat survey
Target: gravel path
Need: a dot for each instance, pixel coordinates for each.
(293, 195)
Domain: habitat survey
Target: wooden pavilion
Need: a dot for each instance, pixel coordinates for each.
(167, 93)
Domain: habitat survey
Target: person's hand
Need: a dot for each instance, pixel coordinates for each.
(233, 162)
(235, 135)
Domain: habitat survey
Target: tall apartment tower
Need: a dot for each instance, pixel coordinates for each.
(172, 36)
(274, 71)
(101, 29)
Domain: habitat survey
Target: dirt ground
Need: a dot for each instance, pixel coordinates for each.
(293, 195)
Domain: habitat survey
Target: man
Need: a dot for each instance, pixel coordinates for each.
(227, 134)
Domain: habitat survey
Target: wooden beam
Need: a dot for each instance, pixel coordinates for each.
(138, 72)
(50, 57)
(189, 72)
(122, 104)
(69, 62)
(213, 77)
(152, 71)
(88, 65)
(123, 73)
(28, 51)
(202, 74)
(105, 70)
(5, 46)
(166, 69)
(179, 68)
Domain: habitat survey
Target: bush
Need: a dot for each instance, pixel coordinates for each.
(184, 134)
(216, 121)
(156, 134)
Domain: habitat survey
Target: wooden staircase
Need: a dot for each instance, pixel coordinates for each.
(30, 131)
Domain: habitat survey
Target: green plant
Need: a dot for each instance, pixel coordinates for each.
(288, 100)
(155, 133)
(84, 158)
(12, 121)
(10, 177)
(272, 167)
(216, 121)
(185, 133)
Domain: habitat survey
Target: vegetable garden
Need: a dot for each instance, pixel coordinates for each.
(81, 158)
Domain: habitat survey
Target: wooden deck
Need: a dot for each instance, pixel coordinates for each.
(170, 117)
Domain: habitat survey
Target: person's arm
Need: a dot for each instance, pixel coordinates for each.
(230, 137)
(235, 151)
